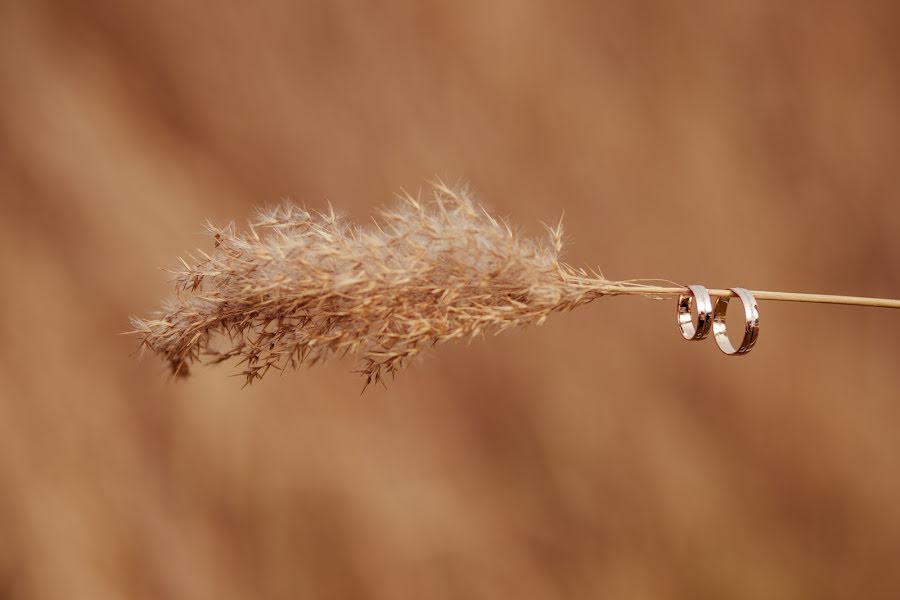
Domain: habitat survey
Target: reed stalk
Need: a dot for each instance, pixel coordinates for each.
(297, 286)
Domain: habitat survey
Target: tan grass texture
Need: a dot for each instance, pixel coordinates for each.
(298, 286)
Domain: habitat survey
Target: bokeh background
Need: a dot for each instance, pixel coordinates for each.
(727, 143)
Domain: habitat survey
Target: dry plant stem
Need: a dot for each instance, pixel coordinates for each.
(760, 295)
(297, 287)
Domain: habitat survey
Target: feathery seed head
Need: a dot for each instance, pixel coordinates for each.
(301, 286)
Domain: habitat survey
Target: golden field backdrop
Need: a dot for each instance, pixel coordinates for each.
(752, 143)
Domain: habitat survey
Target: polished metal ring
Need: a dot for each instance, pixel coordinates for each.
(751, 323)
(700, 295)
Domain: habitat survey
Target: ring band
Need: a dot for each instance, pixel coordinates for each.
(699, 294)
(751, 323)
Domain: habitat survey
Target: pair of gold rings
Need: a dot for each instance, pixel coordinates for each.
(711, 316)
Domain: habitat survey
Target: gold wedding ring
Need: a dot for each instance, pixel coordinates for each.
(700, 295)
(751, 323)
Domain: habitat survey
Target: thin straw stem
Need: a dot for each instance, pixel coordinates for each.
(643, 290)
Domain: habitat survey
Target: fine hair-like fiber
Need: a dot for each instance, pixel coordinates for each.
(299, 286)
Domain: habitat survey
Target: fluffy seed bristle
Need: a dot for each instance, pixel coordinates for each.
(299, 286)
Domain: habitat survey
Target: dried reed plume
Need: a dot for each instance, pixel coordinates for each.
(299, 286)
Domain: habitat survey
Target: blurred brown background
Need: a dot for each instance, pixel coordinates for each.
(750, 143)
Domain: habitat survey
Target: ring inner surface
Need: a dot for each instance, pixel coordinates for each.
(720, 329)
(685, 320)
